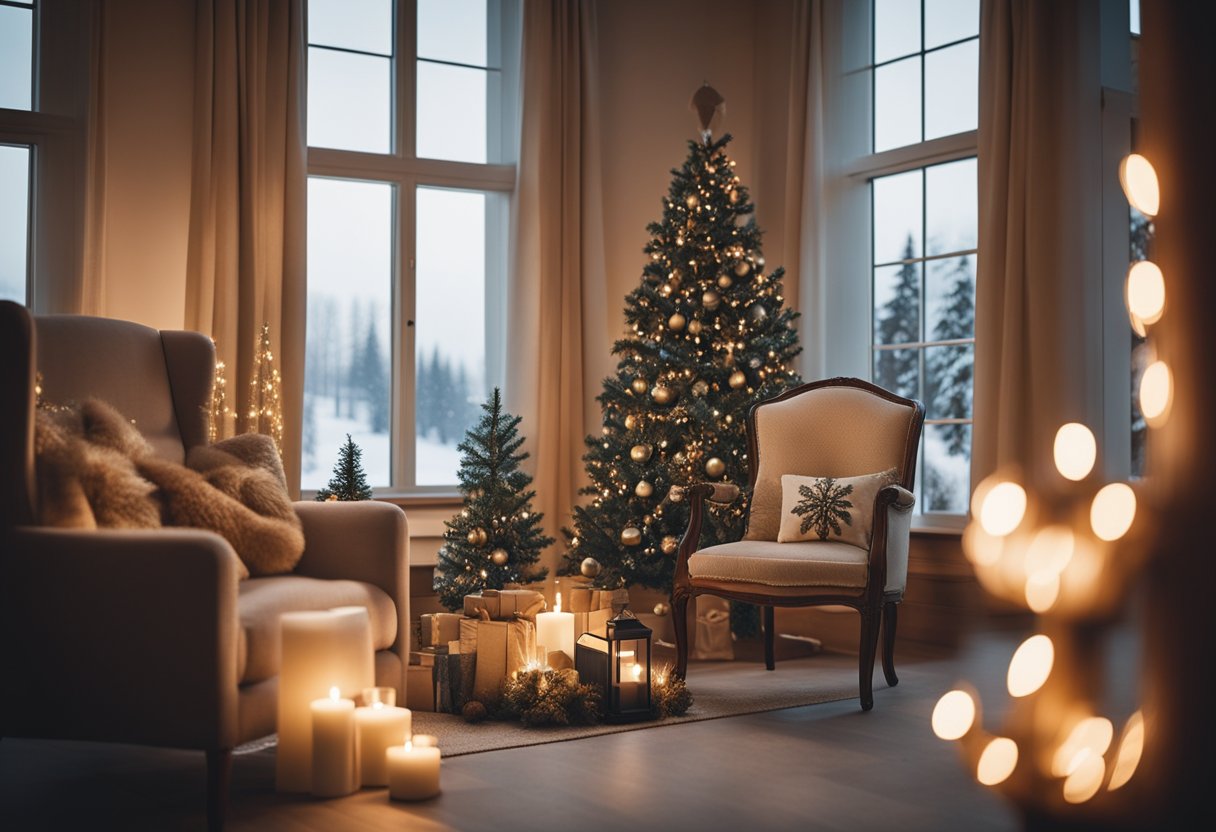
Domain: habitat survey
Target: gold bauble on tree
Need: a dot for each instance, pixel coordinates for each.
(639, 385)
(669, 544)
(742, 268)
(694, 327)
(661, 394)
(676, 322)
(700, 387)
(640, 453)
(715, 467)
(710, 299)
(724, 282)
(476, 537)
(590, 567)
(643, 489)
(631, 422)
(661, 609)
(737, 379)
(631, 536)
(500, 557)
(675, 494)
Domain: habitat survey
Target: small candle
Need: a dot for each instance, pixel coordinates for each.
(333, 745)
(413, 771)
(378, 725)
(555, 629)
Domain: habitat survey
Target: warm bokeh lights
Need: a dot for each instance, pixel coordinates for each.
(1030, 665)
(1156, 393)
(1075, 451)
(1113, 511)
(953, 715)
(1131, 746)
(1139, 182)
(1090, 736)
(1145, 291)
(1086, 778)
(1003, 508)
(997, 761)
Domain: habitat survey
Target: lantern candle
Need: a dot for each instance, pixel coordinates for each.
(333, 745)
(413, 771)
(379, 724)
(555, 629)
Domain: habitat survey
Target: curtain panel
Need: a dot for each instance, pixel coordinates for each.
(246, 256)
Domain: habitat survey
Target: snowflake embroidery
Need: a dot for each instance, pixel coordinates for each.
(823, 506)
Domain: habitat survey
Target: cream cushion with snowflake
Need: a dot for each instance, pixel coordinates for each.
(839, 509)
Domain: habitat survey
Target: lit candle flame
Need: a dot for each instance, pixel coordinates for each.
(557, 603)
(637, 671)
(335, 694)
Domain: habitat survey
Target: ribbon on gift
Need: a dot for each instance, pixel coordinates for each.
(504, 604)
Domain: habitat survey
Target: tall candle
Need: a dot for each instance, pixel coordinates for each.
(377, 727)
(413, 771)
(319, 648)
(334, 768)
(555, 629)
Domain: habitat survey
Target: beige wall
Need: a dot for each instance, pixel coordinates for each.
(147, 101)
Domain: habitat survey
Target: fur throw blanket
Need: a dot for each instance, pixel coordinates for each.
(95, 470)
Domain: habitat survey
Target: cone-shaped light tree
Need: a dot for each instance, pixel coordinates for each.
(709, 336)
(496, 538)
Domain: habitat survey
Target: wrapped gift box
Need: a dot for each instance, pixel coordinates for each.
(439, 628)
(490, 651)
(443, 665)
(592, 622)
(419, 688)
(504, 604)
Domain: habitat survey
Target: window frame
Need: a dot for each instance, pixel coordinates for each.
(402, 169)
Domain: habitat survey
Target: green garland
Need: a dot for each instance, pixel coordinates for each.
(556, 697)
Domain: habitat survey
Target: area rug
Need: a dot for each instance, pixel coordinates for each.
(719, 689)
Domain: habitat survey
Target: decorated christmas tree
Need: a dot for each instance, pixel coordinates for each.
(348, 482)
(709, 338)
(496, 538)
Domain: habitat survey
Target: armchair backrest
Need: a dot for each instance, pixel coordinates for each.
(837, 427)
(161, 379)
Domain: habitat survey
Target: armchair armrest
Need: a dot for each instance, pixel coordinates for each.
(892, 537)
(722, 493)
(365, 540)
(120, 635)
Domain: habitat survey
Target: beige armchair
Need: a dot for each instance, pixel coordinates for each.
(148, 636)
(839, 427)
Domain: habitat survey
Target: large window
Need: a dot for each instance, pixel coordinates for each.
(922, 173)
(410, 108)
(17, 41)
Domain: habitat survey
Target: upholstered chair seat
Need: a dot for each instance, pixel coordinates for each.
(773, 564)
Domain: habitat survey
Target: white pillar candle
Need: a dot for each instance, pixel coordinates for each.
(319, 648)
(334, 768)
(555, 629)
(413, 771)
(378, 727)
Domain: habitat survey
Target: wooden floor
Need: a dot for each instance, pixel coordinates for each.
(827, 766)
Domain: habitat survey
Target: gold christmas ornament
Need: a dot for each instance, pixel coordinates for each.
(639, 385)
(669, 544)
(691, 201)
(661, 609)
(715, 467)
(737, 379)
(631, 536)
(757, 312)
(694, 327)
(590, 567)
(661, 395)
(742, 268)
(700, 387)
(676, 322)
(499, 557)
(643, 489)
(675, 494)
(640, 453)
(631, 422)
(477, 537)
(711, 299)
(724, 282)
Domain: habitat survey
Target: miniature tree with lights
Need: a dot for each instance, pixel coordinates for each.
(496, 538)
(709, 338)
(265, 413)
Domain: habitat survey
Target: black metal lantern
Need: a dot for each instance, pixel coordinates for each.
(620, 664)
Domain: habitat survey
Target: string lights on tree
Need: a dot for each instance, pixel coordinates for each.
(265, 412)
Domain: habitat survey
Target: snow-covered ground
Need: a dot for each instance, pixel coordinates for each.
(436, 463)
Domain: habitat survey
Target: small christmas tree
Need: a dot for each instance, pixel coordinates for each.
(496, 538)
(265, 414)
(348, 482)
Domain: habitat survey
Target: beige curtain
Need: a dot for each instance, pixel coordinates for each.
(246, 258)
(557, 274)
(806, 266)
(1038, 323)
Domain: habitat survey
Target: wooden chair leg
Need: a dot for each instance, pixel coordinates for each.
(889, 620)
(869, 646)
(219, 774)
(770, 654)
(679, 612)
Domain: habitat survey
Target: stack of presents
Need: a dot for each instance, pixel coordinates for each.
(467, 655)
